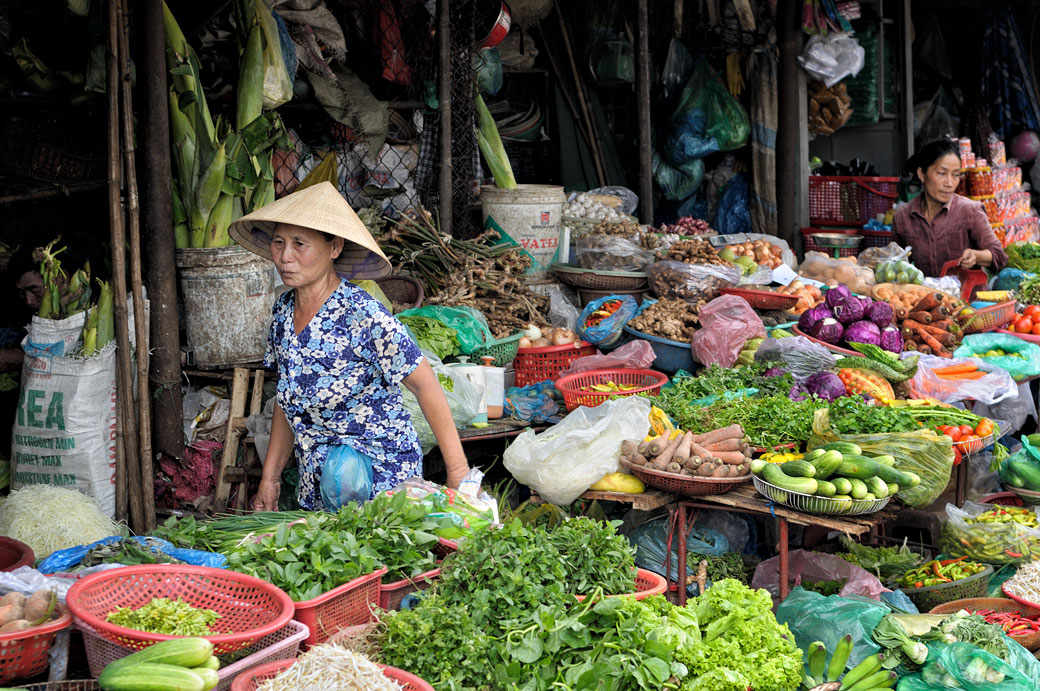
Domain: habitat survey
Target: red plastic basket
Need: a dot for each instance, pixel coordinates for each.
(875, 238)
(248, 607)
(647, 583)
(971, 279)
(24, 654)
(391, 594)
(280, 645)
(849, 201)
(991, 318)
(763, 299)
(535, 365)
(809, 244)
(572, 385)
(685, 485)
(250, 680)
(14, 554)
(347, 605)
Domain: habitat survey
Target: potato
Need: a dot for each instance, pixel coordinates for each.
(15, 626)
(9, 613)
(12, 598)
(39, 604)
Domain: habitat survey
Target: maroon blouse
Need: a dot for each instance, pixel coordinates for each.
(961, 223)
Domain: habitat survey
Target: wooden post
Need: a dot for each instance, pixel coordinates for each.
(788, 149)
(444, 111)
(126, 419)
(646, 182)
(144, 422)
(232, 434)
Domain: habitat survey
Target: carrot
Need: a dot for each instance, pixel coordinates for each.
(946, 325)
(970, 376)
(929, 302)
(963, 368)
(939, 312)
(629, 447)
(935, 345)
(719, 434)
(706, 469)
(721, 471)
(902, 313)
(659, 444)
(731, 444)
(731, 457)
(665, 457)
(698, 451)
(909, 346)
(921, 317)
(682, 453)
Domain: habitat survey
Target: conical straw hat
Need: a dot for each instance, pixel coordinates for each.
(318, 207)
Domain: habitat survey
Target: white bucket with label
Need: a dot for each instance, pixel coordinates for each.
(475, 374)
(530, 217)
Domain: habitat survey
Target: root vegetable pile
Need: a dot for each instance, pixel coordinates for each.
(673, 319)
(19, 613)
(720, 453)
(930, 321)
(688, 225)
(696, 251)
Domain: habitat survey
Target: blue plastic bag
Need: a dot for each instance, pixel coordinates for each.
(608, 331)
(707, 120)
(532, 403)
(651, 541)
(65, 559)
(734, 215)
(346, 477)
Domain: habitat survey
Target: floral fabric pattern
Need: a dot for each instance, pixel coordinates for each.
(339, 383)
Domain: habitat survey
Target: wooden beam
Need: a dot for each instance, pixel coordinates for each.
(646, 182)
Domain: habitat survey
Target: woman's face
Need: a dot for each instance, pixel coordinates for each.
(303, 256)
(941, 178)
(29, 287)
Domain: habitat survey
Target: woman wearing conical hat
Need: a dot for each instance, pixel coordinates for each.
(341, 356)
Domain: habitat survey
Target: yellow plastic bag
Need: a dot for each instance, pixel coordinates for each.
(923, 452)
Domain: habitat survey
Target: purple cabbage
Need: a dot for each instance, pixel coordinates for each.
(863, 332)
(774, 372)
(881, 314)
(837, 295)
(810, 317)
(849, 311)
(825, 385)
(797, 393)
(828, 331)
(891, 339)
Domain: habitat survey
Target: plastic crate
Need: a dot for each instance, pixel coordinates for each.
(648, 583)
(250, 680)
(849, 201)
(875, 238)
(671, 356)
(574, 396)
(391, 594)
(533, 365)
(24, 654)
(280, 645)
(503, 350)
(809, 245)
(347, 605)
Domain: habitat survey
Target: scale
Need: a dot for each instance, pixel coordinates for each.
(837, 241)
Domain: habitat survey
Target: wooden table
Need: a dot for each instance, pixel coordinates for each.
(647, 501)
(746, 499)
(499, 429)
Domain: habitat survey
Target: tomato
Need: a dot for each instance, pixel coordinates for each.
(984, 428)
(1031, 311)
(953, 433)
(966, 430)
(1036, 329)
(956, 456)
(1024, 325)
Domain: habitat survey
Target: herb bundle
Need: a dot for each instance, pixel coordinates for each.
(853, 415)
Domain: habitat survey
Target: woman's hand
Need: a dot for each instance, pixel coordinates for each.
(455, 475)
(266, 498)
(968, 259)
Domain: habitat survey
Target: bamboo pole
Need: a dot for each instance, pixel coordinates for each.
(126, 420)
(579, 87)
(144, 409)
(444, 113)
(646, 170)
(571, 106)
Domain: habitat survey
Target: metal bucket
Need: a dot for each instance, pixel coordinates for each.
(228, 293)
(528, 216)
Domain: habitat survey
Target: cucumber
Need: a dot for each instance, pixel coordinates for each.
(1014, 480)
(842, 497)
(859, 467)
(915, 479)
(1028, 472)
(859, 488)
(877, 487)
(893, 489)
(826, 464)
(776, 477)
(757, 465)
(798, 469)
(892, 475)
(183, 652)
(149, 676)
(885, 460)
(869, 496)
(842, 485)
(212, 663)
(825, 489)
(844, 447)
(209, 677)
(814, 454)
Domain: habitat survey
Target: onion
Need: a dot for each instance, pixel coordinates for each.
(560, 338)
(525, 342)
(533, 332)
(547, 331)
(540, 343)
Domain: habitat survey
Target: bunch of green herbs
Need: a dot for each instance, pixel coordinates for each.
(768, 422)
(716, 381)
(165, 616)
(853, 415)
(887, 563)
(432, 335)
(719, 567)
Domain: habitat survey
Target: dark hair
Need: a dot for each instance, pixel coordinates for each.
(932, 152)
(21, 263)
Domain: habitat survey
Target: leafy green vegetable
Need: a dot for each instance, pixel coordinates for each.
(971, 628)
(887, 563)
(432, 335)
(899, 647)
(715, 380)
(768, 421)
(728, 565)
(170, 617)
(853, 415)
(825, 588)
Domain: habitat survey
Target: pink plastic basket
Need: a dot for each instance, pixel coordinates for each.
(23, 654)
(347, 605)
(391, 594)
(283, 644)
(836, 200)
(248, 681)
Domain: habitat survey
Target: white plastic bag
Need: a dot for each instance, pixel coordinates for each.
(833, 57)
(565, 460)
(993, 388)
(463, 400)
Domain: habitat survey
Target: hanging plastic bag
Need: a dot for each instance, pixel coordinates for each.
(988, 542)
(727, 322)
(691, 282)
(676, 69)
(471, 327)
(996, 386)
(923, 452)
(636, 354)
(813, 617)
(833, 57)
(808, 567)
(677, 182)
(565, 460)
(463, 401)
(797, 354)
(734, 213)
(1022, 360)
(603, 319)
(346, 477)
(708, 118)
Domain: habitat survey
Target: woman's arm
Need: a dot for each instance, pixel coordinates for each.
(278, 451)
(423, 383)
(990, 252)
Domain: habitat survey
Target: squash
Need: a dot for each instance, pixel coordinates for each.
(861, 381)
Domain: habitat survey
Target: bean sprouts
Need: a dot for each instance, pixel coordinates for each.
(1026, 582)
(331, 668)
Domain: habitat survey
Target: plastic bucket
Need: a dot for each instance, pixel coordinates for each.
(228, 293)
(528, 216)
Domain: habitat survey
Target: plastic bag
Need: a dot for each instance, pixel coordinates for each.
(1009, 277)
(950, 666)
(691, 282)
(611, 253)
(726, 323)
(346, 477)
(982, 481)
(562, 312)
(455, 513)
(989, 543)
(636, 354)
(677, 182)
(606, 331)
(786, 255)
(797, 354)
(872, 256)
(923, 452)
(1016, 410)
(805, 567)
(1024, 455)
(820, 267)
(676, 69)
(996, 386)
(64, 560)
(463, 401)
(813, 617)
(833, 57)
(471, 327)
(1024, 364)
(947, 284)
(651, 542)
(487, 63)
(707, 119)
(532, 403)
(734, 212)
(565, 460)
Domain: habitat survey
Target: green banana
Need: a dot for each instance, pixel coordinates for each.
(882, 680)
(866, 667)
(838, 659)
(817, 655)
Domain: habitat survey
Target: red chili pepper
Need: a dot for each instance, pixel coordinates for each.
(1013, 555)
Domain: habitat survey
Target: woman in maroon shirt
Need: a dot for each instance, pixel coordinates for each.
(940, 225)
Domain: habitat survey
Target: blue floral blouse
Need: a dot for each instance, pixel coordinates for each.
(339, 383)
